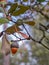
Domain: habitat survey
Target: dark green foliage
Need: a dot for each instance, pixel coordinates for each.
(40, 0)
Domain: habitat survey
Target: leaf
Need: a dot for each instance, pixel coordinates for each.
(13, 7)
(1, 9)
(25, 0)
(31, 23)
(19, 22)
(40, 0)
(5, 45)
(24, 35)
(3, 20)
(21, 10)
(12, 29)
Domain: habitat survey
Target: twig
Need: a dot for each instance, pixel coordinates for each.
(44, 45)
(19, 40)
(16, 36)
(39, 11)
(34, 39)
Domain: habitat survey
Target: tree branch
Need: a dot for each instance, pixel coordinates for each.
(40, 11)
(35, 40)
(28, 32)
(20, 40)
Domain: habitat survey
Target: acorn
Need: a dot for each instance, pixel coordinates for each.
(14, 48)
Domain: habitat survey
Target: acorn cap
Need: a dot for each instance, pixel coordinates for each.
(13, 45)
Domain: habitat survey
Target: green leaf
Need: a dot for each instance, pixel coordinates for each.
(3, 20)
(31, 23)
(21, 10)
(1, 9)
(19, 22)
(12, 29)
(40, 0)
(25, 0)
(13, 7)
